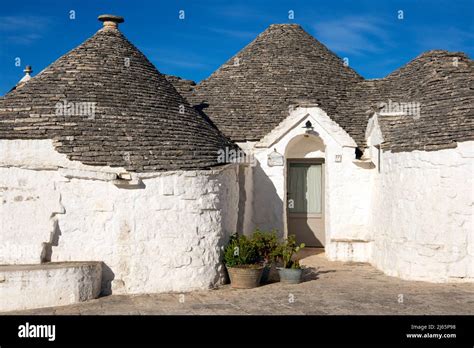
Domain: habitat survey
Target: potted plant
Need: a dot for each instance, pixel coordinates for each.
(291, 271)
(241, 260)
(266, 244)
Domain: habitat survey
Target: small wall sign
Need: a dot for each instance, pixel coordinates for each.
(338, 158)
(275, 159)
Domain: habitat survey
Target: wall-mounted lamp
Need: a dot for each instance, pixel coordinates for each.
(309, 128)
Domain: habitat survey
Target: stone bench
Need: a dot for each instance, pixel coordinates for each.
(48, 284)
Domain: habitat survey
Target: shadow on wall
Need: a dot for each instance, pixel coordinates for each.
(267, 204)
(47, 250)
(242, 199)
(130, 185)
(107, 273)
(107, 276)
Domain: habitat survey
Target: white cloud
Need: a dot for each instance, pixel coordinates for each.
(24, 39)
(354, 35)
(241, 12)
(22, 23)
(450, 38)
(22, 30)
(169, 58)
(239, 34)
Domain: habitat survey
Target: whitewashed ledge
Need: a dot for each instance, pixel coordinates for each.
(48, 284)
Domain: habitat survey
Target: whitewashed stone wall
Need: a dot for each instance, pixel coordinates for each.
(422, 214)
(163, 235)
(413, 219)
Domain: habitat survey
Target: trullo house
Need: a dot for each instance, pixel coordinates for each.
(105, 159)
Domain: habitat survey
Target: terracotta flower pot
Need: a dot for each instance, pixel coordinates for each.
(245, 277)
(290, 275)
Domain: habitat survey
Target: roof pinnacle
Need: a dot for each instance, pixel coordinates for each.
(110, 21)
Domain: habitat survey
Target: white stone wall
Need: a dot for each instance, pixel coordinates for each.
(422, 214)
(413, 219)
(164, 235)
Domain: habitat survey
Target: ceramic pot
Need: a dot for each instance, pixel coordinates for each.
(245, 277)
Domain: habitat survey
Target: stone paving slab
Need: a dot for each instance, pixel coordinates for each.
(332, 288)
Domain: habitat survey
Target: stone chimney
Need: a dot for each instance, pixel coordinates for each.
(110, 21)
(28, 70)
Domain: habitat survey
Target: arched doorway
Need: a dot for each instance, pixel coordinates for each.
(305, 189)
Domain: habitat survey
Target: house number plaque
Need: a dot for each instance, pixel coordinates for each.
(275, 159)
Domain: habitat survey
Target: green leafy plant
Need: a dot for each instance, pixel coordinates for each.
(266, 244)
(295, 264)
(286, 250)
(240, 251)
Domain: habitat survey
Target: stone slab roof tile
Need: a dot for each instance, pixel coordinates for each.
(139, 120)
(249, 95)
(441, 85)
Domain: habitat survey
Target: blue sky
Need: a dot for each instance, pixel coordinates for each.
(368, 33)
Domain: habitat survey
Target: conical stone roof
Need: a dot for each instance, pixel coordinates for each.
(250, 94)
(440, 86)
(135, 118)
(435, 91)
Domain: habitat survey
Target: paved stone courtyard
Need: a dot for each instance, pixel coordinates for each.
(329, 288)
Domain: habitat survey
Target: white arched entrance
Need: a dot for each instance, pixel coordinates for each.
(305, 189)
(309, 136)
